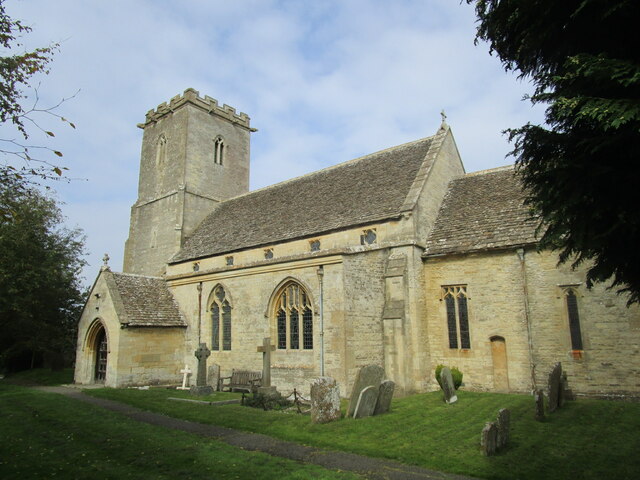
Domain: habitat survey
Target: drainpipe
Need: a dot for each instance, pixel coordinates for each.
(527, 315)
(320, 278)
(199, 311)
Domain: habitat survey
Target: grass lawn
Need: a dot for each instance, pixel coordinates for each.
(48, 435)
(42, 376)
(588, 439)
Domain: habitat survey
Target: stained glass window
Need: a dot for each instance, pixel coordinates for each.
(294, 314)
(455, 299)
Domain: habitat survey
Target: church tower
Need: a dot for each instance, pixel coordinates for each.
(195, 154)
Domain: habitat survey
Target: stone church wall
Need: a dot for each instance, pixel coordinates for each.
(497, 308)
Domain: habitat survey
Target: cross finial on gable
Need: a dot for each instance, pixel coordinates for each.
(444, 117)
(105, 262)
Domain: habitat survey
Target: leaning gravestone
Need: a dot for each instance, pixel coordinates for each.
(555, 385)
(201, 387)
(369, 375)
(539, 397)
(325, 400)
(489, 439)
(385, 395)
(213, 376)
(448, 386)
(366, 402)
(503, 424)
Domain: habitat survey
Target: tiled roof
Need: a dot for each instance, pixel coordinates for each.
(147, 301)
(364, 190)
(480, 211)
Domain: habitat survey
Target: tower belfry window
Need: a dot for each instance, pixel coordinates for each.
(161, 150)
(218, 151)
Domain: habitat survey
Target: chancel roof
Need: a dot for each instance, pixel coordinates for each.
(481, 211)
(147, 301)
(368, 189)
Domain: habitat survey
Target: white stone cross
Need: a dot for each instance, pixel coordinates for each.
(185, 375)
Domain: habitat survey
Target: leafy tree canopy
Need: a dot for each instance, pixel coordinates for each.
(20, 160)
(581, 168)
(40, 291)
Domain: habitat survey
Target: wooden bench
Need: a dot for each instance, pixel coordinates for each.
(241, 380)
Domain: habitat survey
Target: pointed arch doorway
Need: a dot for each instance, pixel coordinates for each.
(500, 369)
(102, 350)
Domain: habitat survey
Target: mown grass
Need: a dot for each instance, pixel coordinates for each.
(588, 439)
(42, 376)
(44, 435)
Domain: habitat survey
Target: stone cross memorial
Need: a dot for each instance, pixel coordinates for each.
(201, 387)
(266, 348)
(448, 387)
(186, 371)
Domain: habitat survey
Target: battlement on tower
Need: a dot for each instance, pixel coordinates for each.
(207, 104)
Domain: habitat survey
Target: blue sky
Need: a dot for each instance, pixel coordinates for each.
(323, 81)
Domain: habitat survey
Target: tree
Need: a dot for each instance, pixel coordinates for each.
(40, 292)
(19, 161)
(581, 168)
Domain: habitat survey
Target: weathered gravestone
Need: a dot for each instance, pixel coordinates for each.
(325, 400)
(504, 424)
(566, 393)
(555, 387)
(539, 397)
(385, 394)
(201, 387)
(448, 387)
(366, 402)
(213, 376)
(369, 375)
(489, 439)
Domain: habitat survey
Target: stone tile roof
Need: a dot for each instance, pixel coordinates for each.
(364, 190)
(147, 301)
(482, 210)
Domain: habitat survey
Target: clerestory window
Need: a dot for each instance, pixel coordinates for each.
(220, 320)
(294, 318)
(455, 299)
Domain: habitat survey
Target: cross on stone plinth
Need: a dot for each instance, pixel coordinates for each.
(266, 348)
(186, 371)
(202, 353)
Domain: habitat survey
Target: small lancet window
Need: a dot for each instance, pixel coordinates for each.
(161, 150)
(455, 300)
(294, 317)
(218, 151)
(571, 301)
(220, 320)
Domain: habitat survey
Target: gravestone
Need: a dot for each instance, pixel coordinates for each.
(369, 375)
(503, 424)
(489, 439)
(265, 385)
(325, 400)
(567, 393)
(366, 402)
(448, 387)
(186, 371)
(385, 395)
(213, 376)
(201, 387)
(555, 386)
(539, 397)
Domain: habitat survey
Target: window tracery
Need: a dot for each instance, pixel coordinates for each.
(294, 318)
(455, 299)
(220, 320)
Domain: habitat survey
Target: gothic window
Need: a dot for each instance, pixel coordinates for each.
(294, 318)
(161, 150)
(218, 151)
(220, 320)
(455, 300)
(368, 237)
(571, 301)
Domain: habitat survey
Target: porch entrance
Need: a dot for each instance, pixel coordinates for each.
(101, 356)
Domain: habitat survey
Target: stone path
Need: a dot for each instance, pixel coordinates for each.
(371, 468)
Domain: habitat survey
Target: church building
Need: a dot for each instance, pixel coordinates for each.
(398, 258)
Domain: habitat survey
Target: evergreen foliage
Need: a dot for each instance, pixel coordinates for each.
(40, 291)
(581, 168)
(455, 374)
